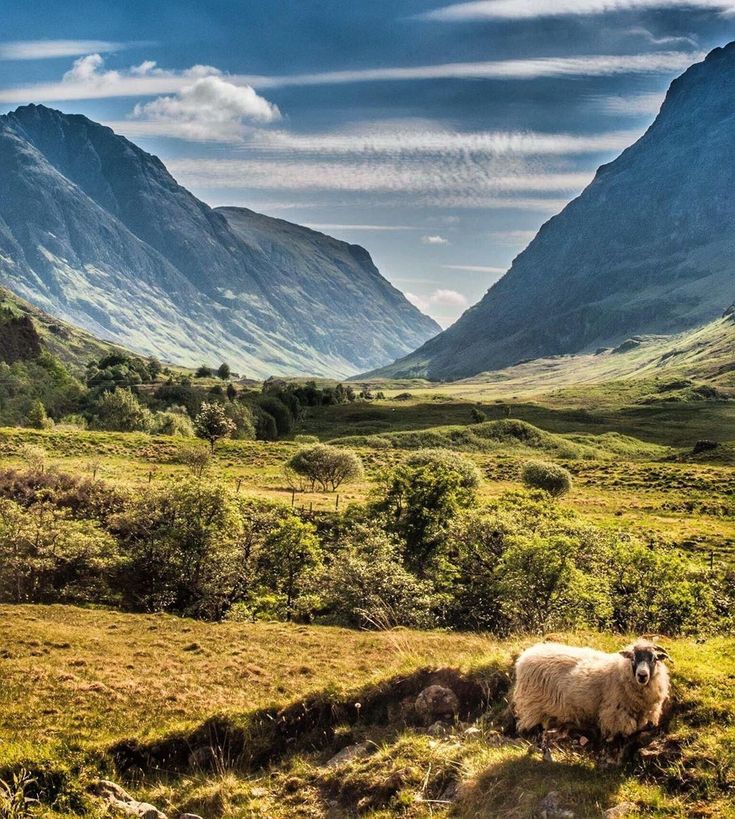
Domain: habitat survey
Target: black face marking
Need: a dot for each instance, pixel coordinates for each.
(643, 664)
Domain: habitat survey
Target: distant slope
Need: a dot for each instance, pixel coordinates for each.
(705, 354)
(97, 232)
(25, 331)
(649, 246)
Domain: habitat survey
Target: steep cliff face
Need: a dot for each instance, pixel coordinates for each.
(648, 247)
(96, 231)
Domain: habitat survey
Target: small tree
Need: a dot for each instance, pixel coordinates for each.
(120, 411)
(37, 417)
(212, 424)
(231, 392)
(203, 372)
(327, 466)
(478, 416)
(223, 371)
(288, 552)
(553, 479)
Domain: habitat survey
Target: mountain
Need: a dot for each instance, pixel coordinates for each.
(95, 231)
(648, 247)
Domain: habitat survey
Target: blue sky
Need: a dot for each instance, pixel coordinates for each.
(438, 135)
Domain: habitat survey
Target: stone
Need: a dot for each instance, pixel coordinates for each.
(438, 729)
(349, 753)
(437, 703)
(623, 809)
(189, 816)
(121, 801)
(550, 807)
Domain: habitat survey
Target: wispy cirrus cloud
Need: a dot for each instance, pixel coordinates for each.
(51, 49)
(529, 9)
(88, 79)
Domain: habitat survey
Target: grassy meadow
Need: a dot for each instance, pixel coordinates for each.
(185, 713)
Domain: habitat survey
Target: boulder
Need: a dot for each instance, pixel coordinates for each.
(623, 809)
(348, 754)
(121, 801)
(437, 703)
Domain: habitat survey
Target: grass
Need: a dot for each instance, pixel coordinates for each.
(77, 681)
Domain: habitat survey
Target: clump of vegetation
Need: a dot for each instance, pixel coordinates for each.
(37, 417)
(120, 410)
(552, 478)
(326, 466)
(212, 424)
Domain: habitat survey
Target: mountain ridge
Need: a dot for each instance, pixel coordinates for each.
(95, 230)
(646, 248)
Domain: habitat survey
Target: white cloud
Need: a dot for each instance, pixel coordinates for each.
(649, 37)
(87, 68)
(369, 228)
(211, 108)
(635, 105)
(50, 49)
(434, 240)
(443, 305)
(527, 9)
(133, 82)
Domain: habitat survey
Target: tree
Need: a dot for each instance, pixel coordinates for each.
(212, 424)
(422, 496)
(37, 417)
(203, 372)
(120, 411)
(289, 551)
(223, 371)
(231, 392)
(478, 416)
(327, 466)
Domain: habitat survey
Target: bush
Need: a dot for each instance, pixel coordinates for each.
(422, 496)
(173, 423)
(120, 411)
(366, 585)
(183, 550)
(37, 417)
(327, 466)
(552, 478)
(306, 439)
(281, 414)
(242, 417)
(49, 558)
(197, 459)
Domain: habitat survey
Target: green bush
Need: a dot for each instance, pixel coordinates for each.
(173, 423)
(306, 439)
(325, 465)
(120, 411)
(552, 478)
(37, 417)
(366, 585)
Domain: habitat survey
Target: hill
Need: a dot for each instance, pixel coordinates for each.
(96, 232)
(645, 249)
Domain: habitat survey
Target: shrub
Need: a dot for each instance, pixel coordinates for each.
(281, 414)
(478, 416)
(242, 417)
(203, 372)
(37, 417)
(265, 425)
(34, 457)
(421, 497)
(120, 411)
(183, 550)
(223, 371)
(212, 424)
(306, 439)
(173, 423)
(327, 466)
(48, 557)
(366, 585)
(552, 478)
(197, 459)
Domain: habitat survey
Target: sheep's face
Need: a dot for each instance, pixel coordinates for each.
(644, 659)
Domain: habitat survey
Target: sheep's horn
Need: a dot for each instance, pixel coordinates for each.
(661, 653)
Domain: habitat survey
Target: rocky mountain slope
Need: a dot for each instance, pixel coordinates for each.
(648, 247)
(95, 231)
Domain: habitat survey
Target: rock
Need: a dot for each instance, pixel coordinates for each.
(623, 809)
(472, 731)
(438, 729)
(189, 816)
(550, 807)
(437, 703)
(120, 800)
(348, 754)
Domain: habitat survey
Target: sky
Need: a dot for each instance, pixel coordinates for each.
(439, 135)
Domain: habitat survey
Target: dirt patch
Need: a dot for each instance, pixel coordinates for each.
(308, 724)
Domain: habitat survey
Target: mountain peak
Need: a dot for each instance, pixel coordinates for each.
(95, 231)
(646, 248)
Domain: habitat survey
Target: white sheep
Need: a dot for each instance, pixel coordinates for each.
(558, 685)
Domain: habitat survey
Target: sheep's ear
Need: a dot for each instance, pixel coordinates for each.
(627, 653)
(661, 653)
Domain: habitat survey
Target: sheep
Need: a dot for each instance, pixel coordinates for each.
(619, 694)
